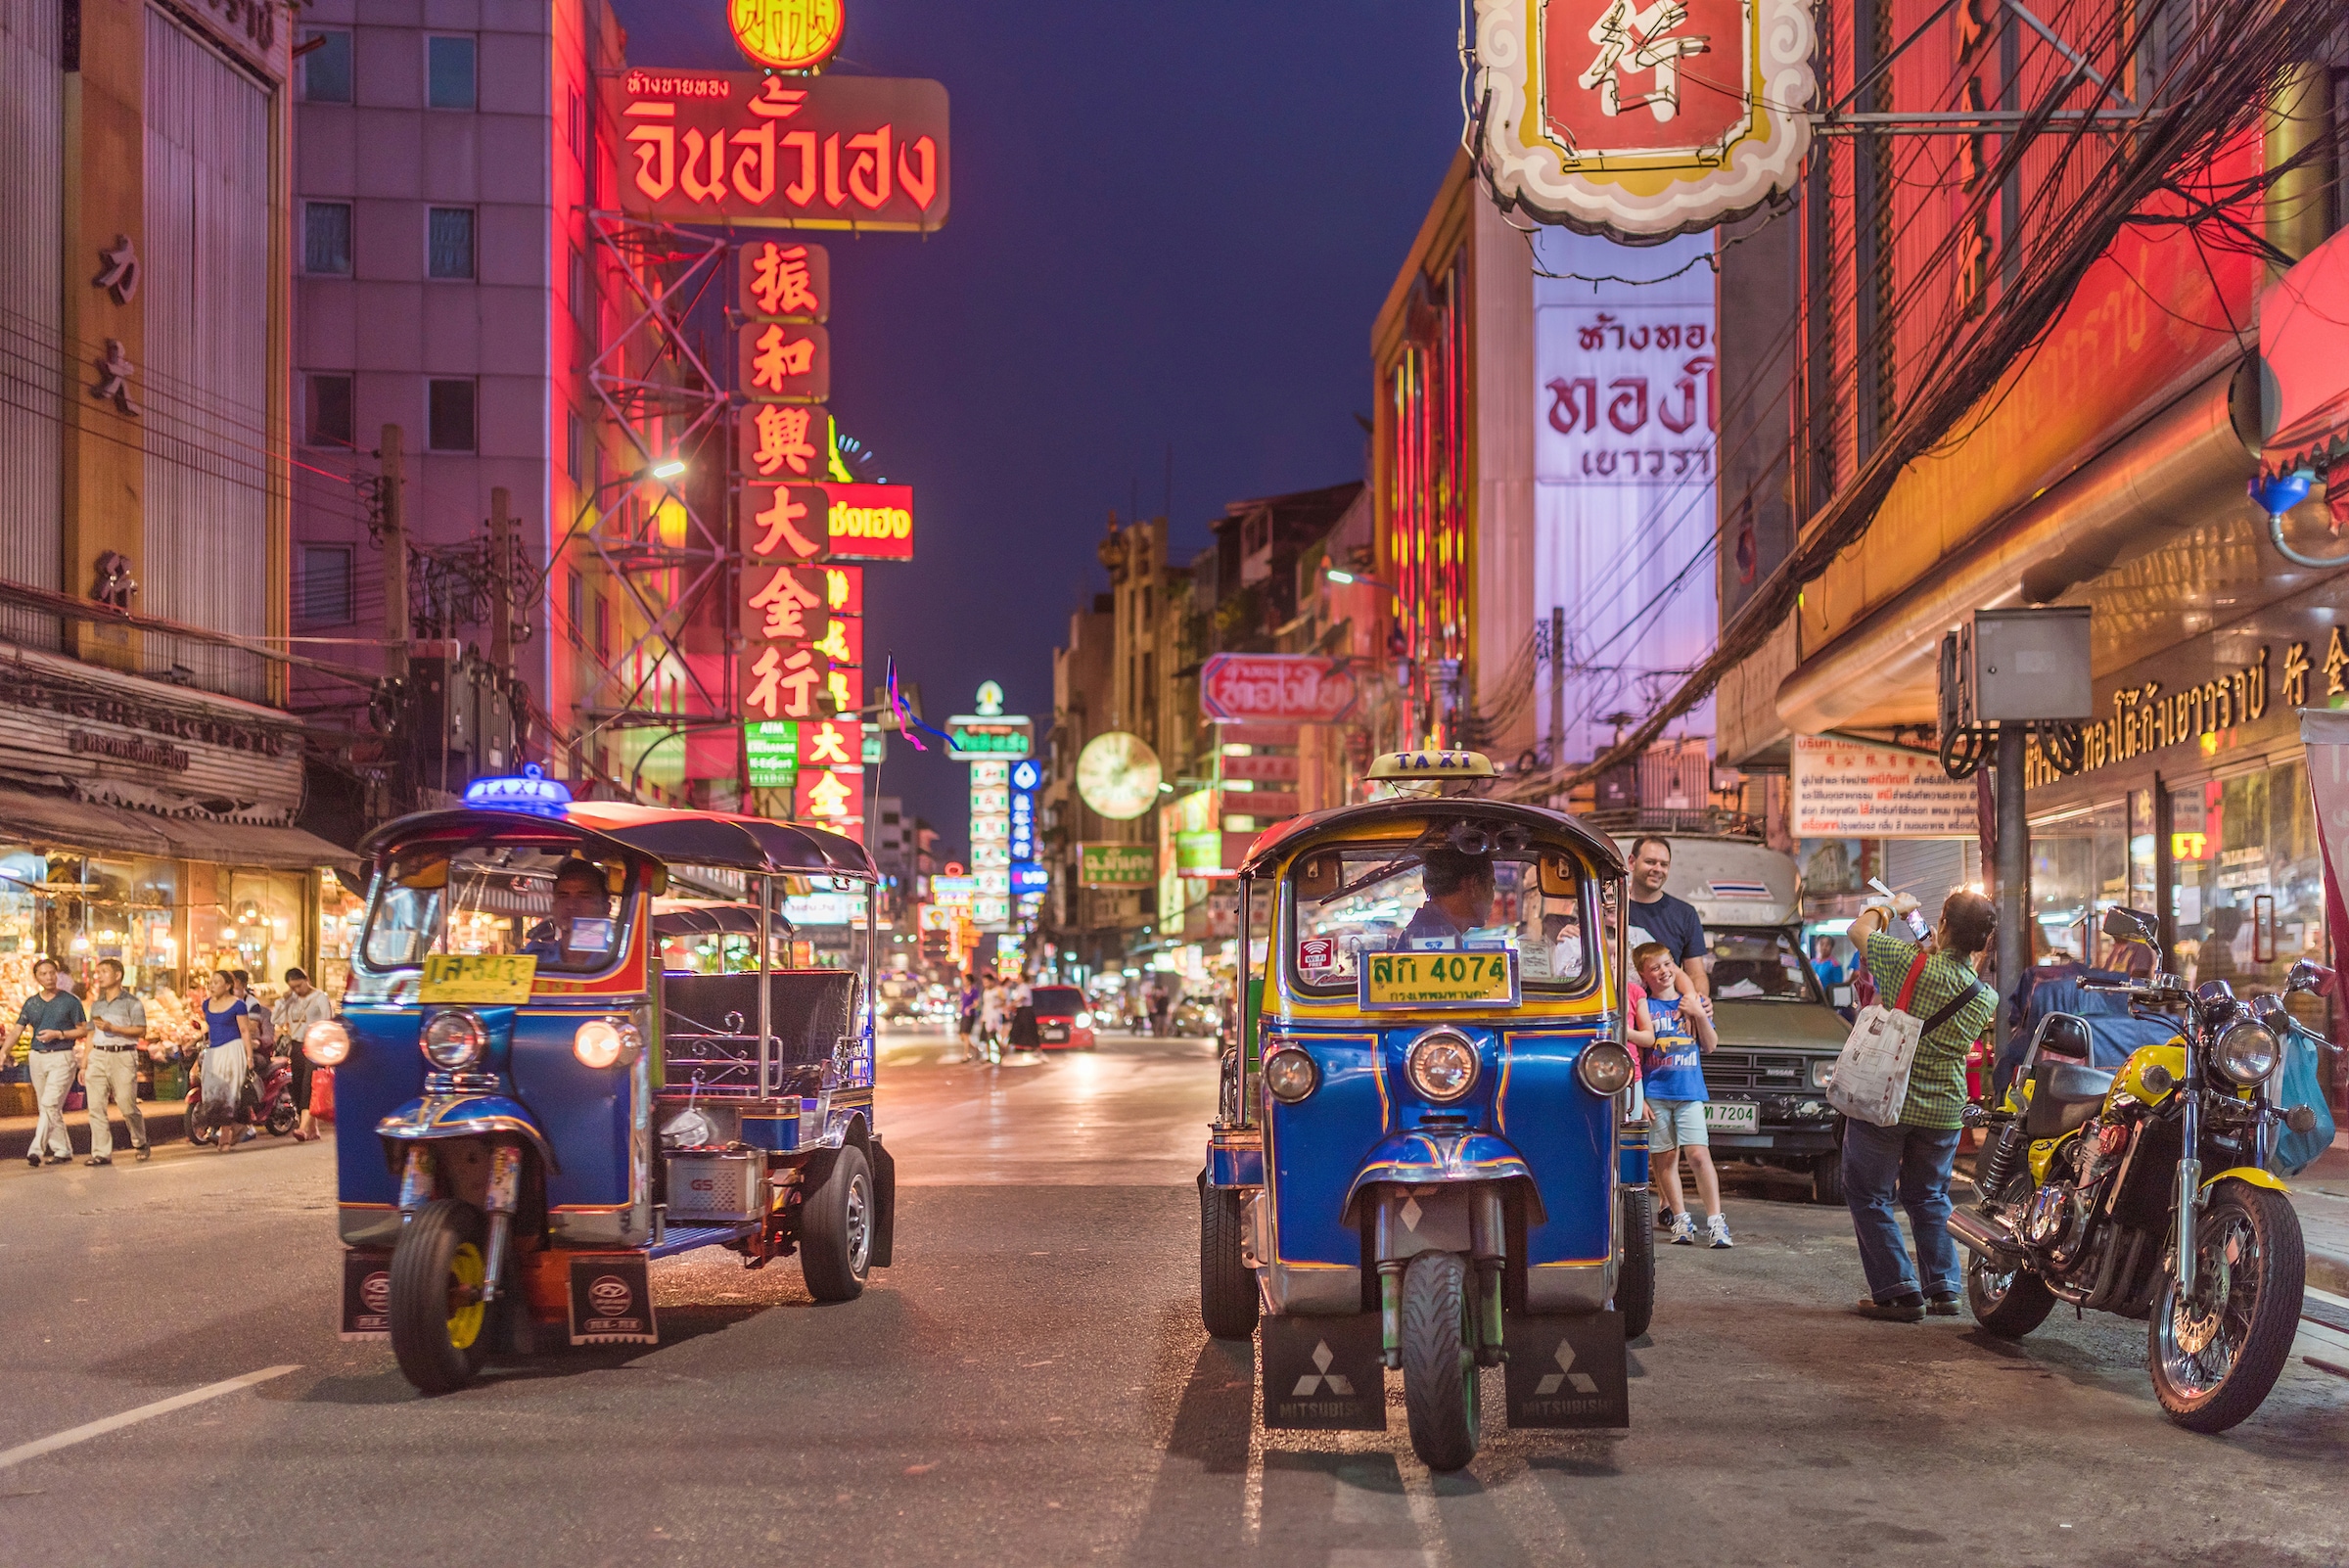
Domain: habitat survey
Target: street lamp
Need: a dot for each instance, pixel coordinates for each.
(1349, 578)
(668, 470)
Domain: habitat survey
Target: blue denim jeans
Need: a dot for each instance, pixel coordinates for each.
(1914, 1164)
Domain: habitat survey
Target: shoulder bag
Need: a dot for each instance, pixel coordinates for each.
(1872, 1076)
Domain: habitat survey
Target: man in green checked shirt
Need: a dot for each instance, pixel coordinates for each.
(1912, 1159)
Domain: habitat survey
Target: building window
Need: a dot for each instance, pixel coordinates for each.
(574, 449)
(603, 626)
(326, 66)
(326, 238)
(326, 413)
(448, 73)
(576, 122)
(450, 241)
(582, 290)
(451, 415)
(325, 596)
(574, 603)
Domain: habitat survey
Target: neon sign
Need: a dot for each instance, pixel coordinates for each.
(784, 282)
(529, 791)
(787, 34)
(871, 521)
(783, 361)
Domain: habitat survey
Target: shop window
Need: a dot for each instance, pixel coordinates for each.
(449, 73)
(2079, 869)
(450, 241)
(326, 238)
(449, 421)
(326, 411)
(326, 66)
(325, 592)
(2248, 879)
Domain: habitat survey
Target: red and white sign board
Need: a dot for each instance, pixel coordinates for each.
(871, 521)
(1275, 688)
(1317, 952)
(783, 361)
(781, 281)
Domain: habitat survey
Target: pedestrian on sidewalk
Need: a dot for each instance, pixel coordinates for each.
(1673, 1031)
(55, 1018)
(117, 1024)
(303, 1005)
(229, 1030)
(1912, 1159)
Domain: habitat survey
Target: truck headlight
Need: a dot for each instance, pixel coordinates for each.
(1823, 1071)
(326, 1043)
(2246, 1052)
(455, 1038)
(1290, 1074)
(1605, 1069)
(1442, 1064)
(601, 1042)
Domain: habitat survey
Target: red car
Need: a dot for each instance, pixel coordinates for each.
(1063, 1019)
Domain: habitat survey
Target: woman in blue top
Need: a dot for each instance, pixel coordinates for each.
(227, 1059)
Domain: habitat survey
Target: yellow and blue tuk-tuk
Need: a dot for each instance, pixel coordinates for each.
(531, 1108)
(1419, 1161)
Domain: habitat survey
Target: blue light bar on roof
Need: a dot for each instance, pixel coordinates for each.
(529, 791)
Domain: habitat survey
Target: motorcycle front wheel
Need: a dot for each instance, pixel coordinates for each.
(2215, 1352)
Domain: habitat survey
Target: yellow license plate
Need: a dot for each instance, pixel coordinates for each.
(483, 978)
(1440, 979)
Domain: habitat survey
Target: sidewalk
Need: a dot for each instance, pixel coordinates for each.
(166, 1121)
(2322, 1195)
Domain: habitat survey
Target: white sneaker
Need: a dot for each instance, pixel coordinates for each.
(1717, 1232)
(1684, 1229)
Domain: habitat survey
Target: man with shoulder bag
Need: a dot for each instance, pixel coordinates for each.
(1903, 1120)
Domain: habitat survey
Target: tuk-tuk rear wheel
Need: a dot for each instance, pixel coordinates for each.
(439, 1337)
(1228, 1298)
(836, 1228)
(1635, 1274)
(1439, 1393)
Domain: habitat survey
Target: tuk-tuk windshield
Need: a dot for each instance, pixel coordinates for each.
(569, 912)
(1354, 900)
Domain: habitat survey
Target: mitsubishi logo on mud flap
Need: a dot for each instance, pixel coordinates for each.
(1551, 1382)
(1322, 1377)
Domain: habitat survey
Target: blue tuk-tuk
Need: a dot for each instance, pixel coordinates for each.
(1420, 1162)
(531, 1107)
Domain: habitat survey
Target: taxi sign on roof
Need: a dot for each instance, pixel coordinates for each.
(1432, 764)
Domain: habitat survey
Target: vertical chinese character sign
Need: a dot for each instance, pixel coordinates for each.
(1642, 121)
(830, 791)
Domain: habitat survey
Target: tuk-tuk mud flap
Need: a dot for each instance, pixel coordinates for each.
(366, 1293)
(1566, 1371)
(612, 1300)
(1323, 1375)
(885, 1206)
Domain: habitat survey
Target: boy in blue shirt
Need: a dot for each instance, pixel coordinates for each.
(1674, 1030)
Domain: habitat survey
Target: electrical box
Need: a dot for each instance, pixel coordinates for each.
(2017, 667)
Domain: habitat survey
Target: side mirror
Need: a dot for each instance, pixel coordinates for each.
(2307, 975)
(2131, 925)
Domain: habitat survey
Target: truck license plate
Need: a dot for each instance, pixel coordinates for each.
(1733, 1116)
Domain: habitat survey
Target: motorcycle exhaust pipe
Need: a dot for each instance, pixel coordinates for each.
(1978, 1232)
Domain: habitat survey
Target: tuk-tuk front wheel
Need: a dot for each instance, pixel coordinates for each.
(1636, 1274)
(1228, 1298)
(836, 1228)
(441, 1328)
(1439, 1393)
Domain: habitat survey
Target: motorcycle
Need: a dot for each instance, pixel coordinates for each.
(267, 1103)
(2093, 1191)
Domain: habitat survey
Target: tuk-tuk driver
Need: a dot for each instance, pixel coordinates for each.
(1460, 891)
(581, 926)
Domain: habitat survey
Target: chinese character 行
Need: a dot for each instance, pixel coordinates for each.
(781, 688)
(1632, 40)
(782, 438)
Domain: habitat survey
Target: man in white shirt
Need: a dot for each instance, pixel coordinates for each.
(117, 1022)
(303, 1005)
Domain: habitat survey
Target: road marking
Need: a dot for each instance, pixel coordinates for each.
(115, 1423)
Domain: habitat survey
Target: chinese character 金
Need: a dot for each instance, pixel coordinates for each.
(1632, 40)
(786, 602)
(781, 281)
(827, 796)
(780, 358)
(782, 438)
(778, 520)
(781, 687)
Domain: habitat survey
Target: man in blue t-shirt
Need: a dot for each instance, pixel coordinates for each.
(53, 1017)
(1657, 916)
(1673, 1031)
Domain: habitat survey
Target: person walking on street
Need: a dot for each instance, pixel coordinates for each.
(1911, 1158)
(55, 1018)
(117, 1024)
(229, 1029)
(303, 1005)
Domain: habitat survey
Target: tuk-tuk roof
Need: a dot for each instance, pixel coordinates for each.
(1281, 836)
(752, 844)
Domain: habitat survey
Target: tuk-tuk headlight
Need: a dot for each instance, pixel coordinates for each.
(1442, 1065)
(1605, 1069)
(2246, 1052)
(326, 1043)
(601, 1042)
(1290, 1074)
(455, 1038)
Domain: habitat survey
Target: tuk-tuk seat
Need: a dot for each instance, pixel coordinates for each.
(711, 1032)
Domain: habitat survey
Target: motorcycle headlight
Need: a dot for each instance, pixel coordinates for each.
(1823, 1071)
(1442, 1065)
(601, 1042)
(455, 1038)
(1604, 1067)
(1085, 1020)
(2245, 1053)
(326, 1043)
(1290, 1074)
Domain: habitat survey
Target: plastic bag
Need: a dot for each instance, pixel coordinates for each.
(2301, 1083)
(322, 1093)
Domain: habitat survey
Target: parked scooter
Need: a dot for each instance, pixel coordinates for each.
(2095, 1193)
(267, 1103)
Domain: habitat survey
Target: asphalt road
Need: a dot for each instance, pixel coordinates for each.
(1030, 1384)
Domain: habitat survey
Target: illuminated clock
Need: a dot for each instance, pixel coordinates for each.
(1118, 775)
(785, 34)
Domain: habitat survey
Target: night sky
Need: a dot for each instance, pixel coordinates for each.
(1172, 226)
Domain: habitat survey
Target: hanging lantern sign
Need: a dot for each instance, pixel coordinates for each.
(787, 34)
(1642, 122)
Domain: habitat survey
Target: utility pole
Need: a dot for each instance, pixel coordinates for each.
(395, 557)
(2013, 851)
(501, 581)
(1557, 686)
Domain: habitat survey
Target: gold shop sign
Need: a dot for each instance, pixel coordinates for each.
(2151, 715)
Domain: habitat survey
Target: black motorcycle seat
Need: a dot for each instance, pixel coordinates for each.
(2064, 1096)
